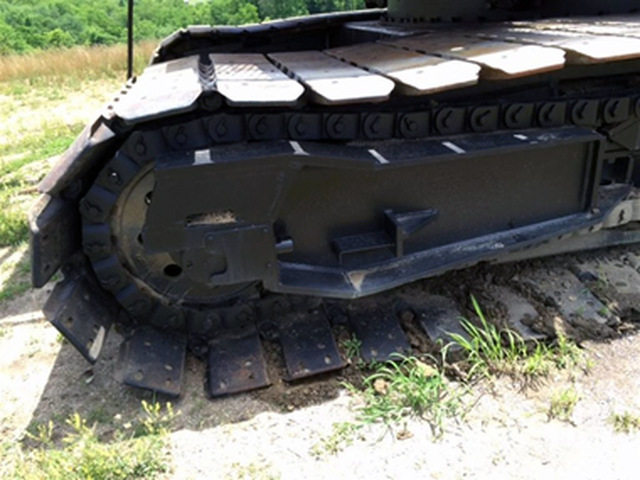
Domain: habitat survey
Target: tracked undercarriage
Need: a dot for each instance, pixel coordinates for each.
(250, 172)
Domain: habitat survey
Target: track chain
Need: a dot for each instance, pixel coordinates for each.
(230, 335)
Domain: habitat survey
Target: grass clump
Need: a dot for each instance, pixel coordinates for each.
(141, 454)
(491, 350)
(408, 388)
(343, 434)
(14, 271)
(352, 346)
(562, 405)
(19, 177)
(625, 422)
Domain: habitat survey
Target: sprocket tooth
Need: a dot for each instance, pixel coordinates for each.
(153, 359)
(236, 364)
(82, 313)
(380, 334)
(308, 345)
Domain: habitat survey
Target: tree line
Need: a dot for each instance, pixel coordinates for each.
(27, 25)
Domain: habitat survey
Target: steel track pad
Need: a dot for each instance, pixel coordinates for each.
(380, 334)
(154, 360)
(82, 314)
(236, 363)
(308, 345)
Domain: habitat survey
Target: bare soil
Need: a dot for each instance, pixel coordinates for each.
(287, 430)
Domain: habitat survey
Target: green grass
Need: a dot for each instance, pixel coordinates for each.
(342, 435)
(51, 140)
(18, 181)
(408, 388)
(562, 405)
(491, 350)
(625, 422)
(139, 453)
(352, 347)
(14, 272)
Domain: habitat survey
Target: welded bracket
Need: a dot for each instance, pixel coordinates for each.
(401, 226)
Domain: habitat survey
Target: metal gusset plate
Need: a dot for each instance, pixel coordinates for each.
(236, 364)
(331, 81)
(154, 359)
(308, 345)
(380, 334)
(54, 236)
(162, 90)
(579, 47)
(572, 298)
(414, 73)
(249, 79)
(82, 312)
(498, 59)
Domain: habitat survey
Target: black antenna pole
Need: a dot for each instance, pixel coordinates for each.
(130, 39)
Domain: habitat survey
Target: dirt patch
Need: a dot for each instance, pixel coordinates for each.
(506, 435)
(289, 429)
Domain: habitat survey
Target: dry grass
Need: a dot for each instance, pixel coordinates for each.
(88, 62)
(46, 98)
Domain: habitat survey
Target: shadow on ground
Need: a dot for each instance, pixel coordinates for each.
(73, 385)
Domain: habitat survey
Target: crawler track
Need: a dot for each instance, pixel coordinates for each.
(234, 185)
